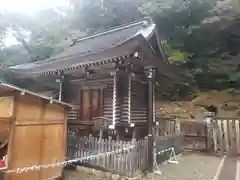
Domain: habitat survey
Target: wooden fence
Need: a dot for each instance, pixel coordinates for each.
(166, 142)
(195, 135)
(125, 162)
(226, 135)
(165, 126)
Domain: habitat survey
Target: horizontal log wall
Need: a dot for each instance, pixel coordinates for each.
(123, 100)
(138, 102)
(72, 115)
(108, 102)
(98, 82)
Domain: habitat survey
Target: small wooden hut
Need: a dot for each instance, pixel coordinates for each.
(112, 75)
(34, 127)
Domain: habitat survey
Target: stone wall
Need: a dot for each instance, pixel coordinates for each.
(84, 173)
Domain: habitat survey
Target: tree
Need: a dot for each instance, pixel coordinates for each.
(40, 35)
(200, 36)
(98, 15)
(3, 30)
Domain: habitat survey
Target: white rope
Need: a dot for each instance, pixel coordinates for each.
(63, 163)
(163, 151)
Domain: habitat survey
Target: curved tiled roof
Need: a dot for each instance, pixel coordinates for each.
(80, 52)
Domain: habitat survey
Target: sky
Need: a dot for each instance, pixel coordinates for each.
(28, 7)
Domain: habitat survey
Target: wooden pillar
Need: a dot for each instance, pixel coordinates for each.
(60, 91)
(151, 76)
(157, 133)
(60, 81)
(100, 134)
(114, 101)
(134, 133)
(154, 106)
(102, 101)
(129, 97)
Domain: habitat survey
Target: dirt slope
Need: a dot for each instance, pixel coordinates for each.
(228, 104)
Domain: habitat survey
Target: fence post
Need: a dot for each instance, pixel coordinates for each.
(109, 150)
(134, 157)
(237, 136)
(145, 153)
(209, 130)
(150, 152)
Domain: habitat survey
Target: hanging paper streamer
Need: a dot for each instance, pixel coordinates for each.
(63, 163)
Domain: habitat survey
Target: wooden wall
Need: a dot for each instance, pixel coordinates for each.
(139, 102)
(128, 92)
(6, 115)
(6, 107)
(78, 85)
(38, 137)
(108, 104)
(123, 98)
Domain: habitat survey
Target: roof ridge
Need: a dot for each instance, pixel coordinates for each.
(116, 28)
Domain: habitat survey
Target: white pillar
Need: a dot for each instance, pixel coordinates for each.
(60, 81)
(60, 90)
(154, 106)
(129, 98)
(114, 99)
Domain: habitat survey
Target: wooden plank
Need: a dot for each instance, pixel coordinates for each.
(43, 111)
(237, 136)
(86, 105)
(11, 139)
(95, 103)
(6, 106)
(5, 130)
(114, 100)
(29, 104)
(53, 112)
(65, 135)
(231, 134)
(151, 88)
(234, 141)
(232, 118)
(220, 137)
(226, 134)
(90, 108)
(32, 123)
(23, 154)
(80, 102)
(102, 102)
(215, 135)
(129, 98)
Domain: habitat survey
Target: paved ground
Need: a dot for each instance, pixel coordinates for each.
(199, 166)
(230, 169)
(192, 166)
(196, 166)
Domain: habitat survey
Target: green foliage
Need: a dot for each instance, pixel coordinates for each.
(235, 76)
(39, 35)
(3, 30)
(98, 15)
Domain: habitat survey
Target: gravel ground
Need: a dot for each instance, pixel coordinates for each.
(192, 166)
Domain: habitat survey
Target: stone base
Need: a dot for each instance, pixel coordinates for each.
(83, 173)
